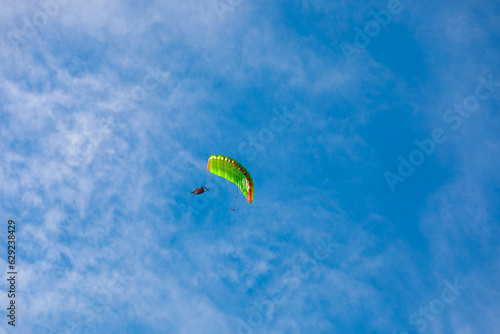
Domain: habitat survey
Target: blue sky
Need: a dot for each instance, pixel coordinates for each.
(376, 206)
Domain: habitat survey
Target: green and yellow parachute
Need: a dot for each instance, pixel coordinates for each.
(233, 171)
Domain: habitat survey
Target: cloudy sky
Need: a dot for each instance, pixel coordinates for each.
(370, 130)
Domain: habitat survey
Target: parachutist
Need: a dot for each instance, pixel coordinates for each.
(199, 191)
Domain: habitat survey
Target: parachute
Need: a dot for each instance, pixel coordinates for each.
(233, 171)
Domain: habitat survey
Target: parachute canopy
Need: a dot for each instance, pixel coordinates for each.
(233, 171)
